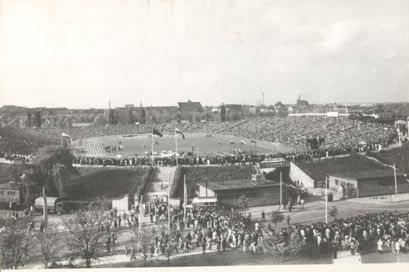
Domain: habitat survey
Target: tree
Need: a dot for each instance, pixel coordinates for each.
(277, 217)
(243, 202)
(168, 234)
(38, 119)
(285, 246)
(144, 239)
(333, 212)
(15, 241)
(56, 162)
(49, 246)
(99, 120)
(84, 228)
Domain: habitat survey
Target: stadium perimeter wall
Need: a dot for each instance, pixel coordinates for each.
(296, 173)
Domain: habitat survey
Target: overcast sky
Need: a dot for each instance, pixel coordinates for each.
(82, 53)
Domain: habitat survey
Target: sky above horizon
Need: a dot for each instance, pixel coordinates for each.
(83, 53)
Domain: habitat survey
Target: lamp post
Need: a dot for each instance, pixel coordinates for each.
(326, 201)
(395, 178)
(396, 182)
(281, 190)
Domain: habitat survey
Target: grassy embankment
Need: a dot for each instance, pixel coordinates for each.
(108, 182)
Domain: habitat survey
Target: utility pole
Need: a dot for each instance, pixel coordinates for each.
(281, 189)
(45, 208)
(168, 204)
(326, 200)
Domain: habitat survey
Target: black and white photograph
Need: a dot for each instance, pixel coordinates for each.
(179, 134)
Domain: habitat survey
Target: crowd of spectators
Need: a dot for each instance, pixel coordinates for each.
(210, 228)
(20, 145)
(383, 229)
(338, 132)
(341, 136)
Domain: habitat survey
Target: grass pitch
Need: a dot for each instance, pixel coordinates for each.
(195, 143)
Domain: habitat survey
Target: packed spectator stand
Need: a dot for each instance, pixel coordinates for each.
(341, 136)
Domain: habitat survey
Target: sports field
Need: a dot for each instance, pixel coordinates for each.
(203, 144)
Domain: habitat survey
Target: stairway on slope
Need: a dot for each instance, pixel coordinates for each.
(161, 181)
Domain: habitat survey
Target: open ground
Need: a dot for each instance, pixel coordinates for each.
(196, 143)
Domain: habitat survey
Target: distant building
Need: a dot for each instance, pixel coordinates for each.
(82, 124)
(10, 192)
(234, 112)
(228, 193)
(190, 111)
(402, 126)
(160, 113)
(379, 115)
(368, 183)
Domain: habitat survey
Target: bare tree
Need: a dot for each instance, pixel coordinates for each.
(144, 239)
(84, 227)
(277, 217)
(48, 242)
(284, 246)
(333, 212)
(15, 241)
(168, 234)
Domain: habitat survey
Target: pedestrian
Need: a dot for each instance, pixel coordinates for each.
(133, 253)
(334, 249)
(263, 215)
(380, 244)
(224, 243)
(108, 244)
(204, 245)
(302, 203)
(352, 246)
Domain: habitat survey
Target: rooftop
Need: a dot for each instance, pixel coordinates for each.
(318, 170)
(367, 175)
(10, 185)
(235, 184)
(190, 106)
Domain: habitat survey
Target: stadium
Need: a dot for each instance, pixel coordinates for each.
(203, 133)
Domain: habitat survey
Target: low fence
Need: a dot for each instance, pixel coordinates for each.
(381, 199)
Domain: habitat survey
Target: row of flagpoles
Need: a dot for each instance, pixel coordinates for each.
(157, 133)
(177, 131)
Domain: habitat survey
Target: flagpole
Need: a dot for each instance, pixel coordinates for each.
(326, 201)
(184, 199)
(140, 214)
(152, 147)
(176, 143)
(168, 203)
